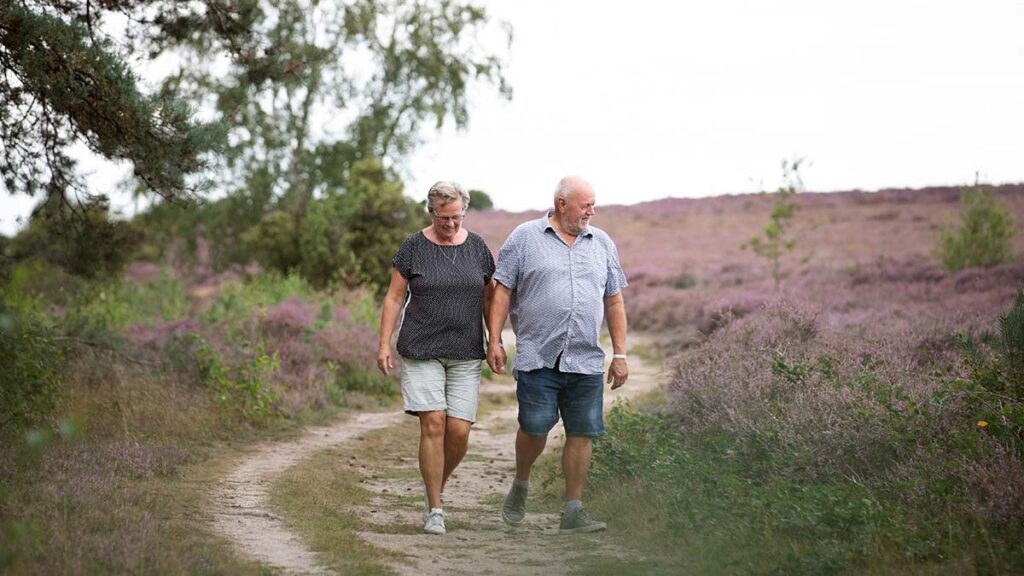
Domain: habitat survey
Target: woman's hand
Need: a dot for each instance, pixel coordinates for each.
(384, 360)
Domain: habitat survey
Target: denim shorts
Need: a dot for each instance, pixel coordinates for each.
(441, 384)
(546, 393)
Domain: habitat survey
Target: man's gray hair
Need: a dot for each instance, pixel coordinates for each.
(562, 190)
(444, 193)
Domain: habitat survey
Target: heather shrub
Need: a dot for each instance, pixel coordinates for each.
(983, 237)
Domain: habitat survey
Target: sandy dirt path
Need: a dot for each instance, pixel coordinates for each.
(477, 542)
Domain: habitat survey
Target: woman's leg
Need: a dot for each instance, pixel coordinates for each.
(456, 442)
(432, 454)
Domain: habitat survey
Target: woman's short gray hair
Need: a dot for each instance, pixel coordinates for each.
(444, 193)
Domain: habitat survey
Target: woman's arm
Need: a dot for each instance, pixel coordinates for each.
(392, 306)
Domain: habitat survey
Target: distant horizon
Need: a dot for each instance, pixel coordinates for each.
(497, 208)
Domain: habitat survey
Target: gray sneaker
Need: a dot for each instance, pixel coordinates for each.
(513, 510)
(579, 522)
(434, 523)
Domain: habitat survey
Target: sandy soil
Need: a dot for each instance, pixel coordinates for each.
(477, 541)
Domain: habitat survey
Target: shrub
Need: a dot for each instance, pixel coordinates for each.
(32, 373)
(83, 239)
(351, 237)
(99, 306)
(480, 200)
(244, 386)
(983, 236)
(274, 242)
(238, 300)
(1011, 340)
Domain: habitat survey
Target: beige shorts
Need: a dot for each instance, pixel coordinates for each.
(441, 384)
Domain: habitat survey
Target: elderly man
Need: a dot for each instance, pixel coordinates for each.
(560, 277)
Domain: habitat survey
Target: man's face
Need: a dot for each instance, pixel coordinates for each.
(577, 208)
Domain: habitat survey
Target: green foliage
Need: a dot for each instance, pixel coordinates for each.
(33, 360)
(983, 236)
(352, 379)
(777, 238)
(274, 242)
(98, 308)
(244, 387)
(480, 200)
(705, 496)
(83, 239)
(416, 62)
(351, 237)
(1011, 341)
(63, 81)
(996, 382)
(237, 301)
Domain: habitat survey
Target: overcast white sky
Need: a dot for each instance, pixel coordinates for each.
(649, 99)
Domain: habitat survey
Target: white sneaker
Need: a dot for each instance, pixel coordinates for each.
(426, 503)
(435, 522)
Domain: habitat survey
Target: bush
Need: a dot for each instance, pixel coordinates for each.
(83, 239)
(351, 237)
(983, 237)
(32, 374)
(480, 200)
(274, 242)
(1011, 339)
(98, 307)
(243, 386)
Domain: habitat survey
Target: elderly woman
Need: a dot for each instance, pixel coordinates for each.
(446, 272)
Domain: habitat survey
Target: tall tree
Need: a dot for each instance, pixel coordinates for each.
(301, 89)
(339, 81)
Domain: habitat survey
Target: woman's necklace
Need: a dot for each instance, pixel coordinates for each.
(455, 253)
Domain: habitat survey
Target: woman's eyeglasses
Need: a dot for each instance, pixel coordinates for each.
(446, 219)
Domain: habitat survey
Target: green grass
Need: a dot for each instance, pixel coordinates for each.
(318, 495)
(704, 506)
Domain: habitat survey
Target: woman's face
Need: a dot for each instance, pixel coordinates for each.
(447, 220)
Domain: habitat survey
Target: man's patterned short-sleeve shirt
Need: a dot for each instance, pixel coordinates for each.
(558, 294)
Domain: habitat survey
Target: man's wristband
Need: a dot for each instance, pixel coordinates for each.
(618, 356)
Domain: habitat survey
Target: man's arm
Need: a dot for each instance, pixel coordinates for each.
(500, 300)
(615, 315)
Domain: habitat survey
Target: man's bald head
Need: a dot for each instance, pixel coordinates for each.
(570, 185)
(574, 204)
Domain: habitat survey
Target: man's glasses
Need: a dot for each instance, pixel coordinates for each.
(446, 219)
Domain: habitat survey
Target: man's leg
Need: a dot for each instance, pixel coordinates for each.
(582, 411)
(528, 449)
(432, 432)
(456, 443)
(537, 393)
(576, 465)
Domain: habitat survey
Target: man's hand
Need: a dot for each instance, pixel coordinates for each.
(496, 358)
(618, 372)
